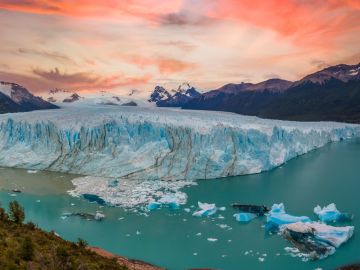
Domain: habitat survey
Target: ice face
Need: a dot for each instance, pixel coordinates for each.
(331, 214)
(156, 143)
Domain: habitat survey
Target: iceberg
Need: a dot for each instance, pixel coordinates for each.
(277, 217)
(244, 217)
(153, 206)
(331, 214)
(316, 239)
(207, 209)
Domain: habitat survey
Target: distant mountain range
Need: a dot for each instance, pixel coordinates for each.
(332, 94)
(175, 98)
(16, 98)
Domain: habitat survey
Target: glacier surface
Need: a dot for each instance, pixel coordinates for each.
(146, 144)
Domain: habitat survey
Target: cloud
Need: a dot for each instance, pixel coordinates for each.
(82, 80)
(182, 45)
(316, 23)
(164, 65)
(55, 56)
(319, 64)
(114, 9)
(183, 19)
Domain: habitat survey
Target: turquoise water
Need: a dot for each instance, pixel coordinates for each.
(169, 238)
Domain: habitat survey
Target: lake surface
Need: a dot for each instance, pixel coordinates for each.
(172, 239)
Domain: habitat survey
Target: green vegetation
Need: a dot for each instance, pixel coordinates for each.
(24, 246)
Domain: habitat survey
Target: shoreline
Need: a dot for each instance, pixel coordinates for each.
(124, 261)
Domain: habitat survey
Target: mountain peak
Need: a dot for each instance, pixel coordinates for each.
(341, 72)
(16, 98)
(176, 98)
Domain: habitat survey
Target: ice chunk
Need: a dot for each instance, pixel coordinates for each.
(153, 206)
(316, 239)
(212, 239)
(331, 214)
(244, 217)
(277, 217)
(171, 200)
(207, 209)
(99, 216)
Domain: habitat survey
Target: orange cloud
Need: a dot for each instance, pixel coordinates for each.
(45, 80)
(164, 65)
(148, 9)
(88, 80)
(313, 22)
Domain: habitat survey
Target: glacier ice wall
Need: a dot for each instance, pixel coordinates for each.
(148, 144)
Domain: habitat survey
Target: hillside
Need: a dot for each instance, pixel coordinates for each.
(24, 246)
(332, 94)
(16, 98)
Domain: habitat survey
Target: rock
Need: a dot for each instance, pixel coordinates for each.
(316, 239)
(259, 210)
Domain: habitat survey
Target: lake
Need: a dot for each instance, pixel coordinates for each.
(177, 240)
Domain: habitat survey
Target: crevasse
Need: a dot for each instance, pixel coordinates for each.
(147, 144)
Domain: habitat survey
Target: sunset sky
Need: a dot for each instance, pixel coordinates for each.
(117, 45)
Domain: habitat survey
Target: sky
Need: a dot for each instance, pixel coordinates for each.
(118, 45)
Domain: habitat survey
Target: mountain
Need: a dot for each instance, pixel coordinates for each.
(331, 94)
(57, 95)
(175, 98)
(16, 98)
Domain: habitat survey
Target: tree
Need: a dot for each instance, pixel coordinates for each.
(27, 249)
(82, 243)
(3, 215)
(17, 213)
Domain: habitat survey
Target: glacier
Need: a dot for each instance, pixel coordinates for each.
(146, 144)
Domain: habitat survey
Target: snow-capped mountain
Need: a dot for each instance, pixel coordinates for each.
(159, 94)
(62, 97)
(331, 94)
(16, 98)
(174, 98)
(57, 95)
(344, 73)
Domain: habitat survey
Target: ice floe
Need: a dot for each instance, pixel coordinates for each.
(207, 209)
(331, 214)
(130, 193)
(244, 217)
(277, 217)
(315, 239)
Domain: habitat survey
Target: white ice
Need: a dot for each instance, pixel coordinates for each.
(147, 144)
(330, 213)
(206, 209)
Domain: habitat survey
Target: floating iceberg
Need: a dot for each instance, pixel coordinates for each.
(316, 239)
(331, 214)
(277, 217)
(207, 209)
(153, 206)
(244, 217)
(99, 216)
(171, 200)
